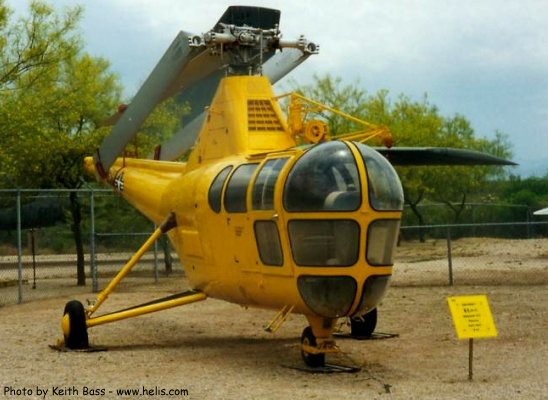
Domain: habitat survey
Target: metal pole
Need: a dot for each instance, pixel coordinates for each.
(33, 249)
(155, 259)
(92, 264)
(19, 251)
(449, 256)
(470, 358)
(473, 220)
(528, 216)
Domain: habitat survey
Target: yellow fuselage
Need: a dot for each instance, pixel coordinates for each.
(226, 239)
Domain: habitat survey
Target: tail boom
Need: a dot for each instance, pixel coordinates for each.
(142, 183)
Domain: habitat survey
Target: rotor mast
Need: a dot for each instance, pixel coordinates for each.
(244, 48)
(245, 41)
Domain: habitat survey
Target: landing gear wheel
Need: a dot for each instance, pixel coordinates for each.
(364, 326)
(74, 326)
(310, 359)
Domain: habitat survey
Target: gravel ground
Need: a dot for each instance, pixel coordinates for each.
(217, 350)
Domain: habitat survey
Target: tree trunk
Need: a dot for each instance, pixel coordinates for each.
(414, 205)
(457, 209)
(77, 233)
(420, 217)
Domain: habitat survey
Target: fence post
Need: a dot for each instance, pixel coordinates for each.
(155, 259)
(33, 250)
(449, 256)
(92, 264)
(529, 223)
(19, 251)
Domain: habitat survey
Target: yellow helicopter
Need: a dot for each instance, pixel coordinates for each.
(268, 210)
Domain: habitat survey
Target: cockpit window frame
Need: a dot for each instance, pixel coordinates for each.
(385, 231)
(299, 256)
(215, 192)
(270, 251)
(267, 187)
(238, 203)
(376, 175)
(336, 200)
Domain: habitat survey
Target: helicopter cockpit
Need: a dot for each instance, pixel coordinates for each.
(326, 179)
(341, 204)
(328, 224)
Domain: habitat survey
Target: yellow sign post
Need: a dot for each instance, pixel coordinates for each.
(472, 319)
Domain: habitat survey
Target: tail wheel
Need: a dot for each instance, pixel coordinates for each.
(74, 326)
(364, 326)
(310, 359)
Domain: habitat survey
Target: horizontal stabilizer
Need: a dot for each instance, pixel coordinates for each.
(439, 156)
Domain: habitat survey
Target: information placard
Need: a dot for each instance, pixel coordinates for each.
(472, 317)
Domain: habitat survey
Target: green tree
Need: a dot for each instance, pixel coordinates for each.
(53, 98)
(414, 123)
(453, 186)
(531, 191)
(329, 91)
(30, 46)
(160, 125)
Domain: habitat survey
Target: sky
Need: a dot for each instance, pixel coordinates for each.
(484, 59)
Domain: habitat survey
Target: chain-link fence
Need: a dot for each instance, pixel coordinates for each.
(38, 247)
(513, 253)
(38, 243)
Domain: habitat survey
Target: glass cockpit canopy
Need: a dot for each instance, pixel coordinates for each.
(325, 178)
(385, 190)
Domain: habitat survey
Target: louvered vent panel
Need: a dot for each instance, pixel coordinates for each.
(261, 116)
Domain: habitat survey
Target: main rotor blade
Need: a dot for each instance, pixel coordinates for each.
(164, 80)
(200, 95)
(439, 156)
(192, 72)
(283, 63)
(181, 141)
(258, 17)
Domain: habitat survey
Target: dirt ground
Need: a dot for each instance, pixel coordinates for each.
(217, 350)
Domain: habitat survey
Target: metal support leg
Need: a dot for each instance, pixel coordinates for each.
(186, 298)
(102, 296)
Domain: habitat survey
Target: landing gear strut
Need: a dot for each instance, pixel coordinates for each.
(311, 359)
(77, 319)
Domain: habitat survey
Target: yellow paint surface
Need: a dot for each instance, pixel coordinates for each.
(472, 317)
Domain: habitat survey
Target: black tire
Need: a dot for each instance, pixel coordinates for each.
(311, 360)
(364, 326)
(77, 338)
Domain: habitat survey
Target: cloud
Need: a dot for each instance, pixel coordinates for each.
(485, 59)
